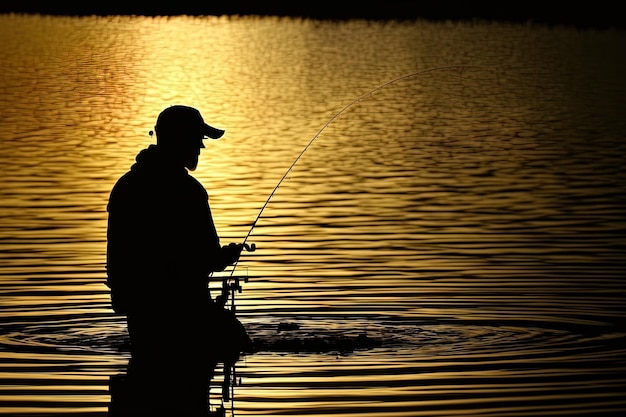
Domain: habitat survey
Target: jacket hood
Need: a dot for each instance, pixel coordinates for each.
(155, 159)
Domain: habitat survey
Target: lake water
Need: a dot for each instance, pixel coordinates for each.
(461, 204)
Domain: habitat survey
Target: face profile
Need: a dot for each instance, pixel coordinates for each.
(190, 148)
(181, 131)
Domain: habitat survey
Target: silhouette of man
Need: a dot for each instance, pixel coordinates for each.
(162, 246)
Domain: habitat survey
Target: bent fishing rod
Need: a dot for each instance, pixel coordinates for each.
(252, 247)
(232, 285)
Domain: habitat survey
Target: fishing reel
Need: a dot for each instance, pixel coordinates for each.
(232, 284)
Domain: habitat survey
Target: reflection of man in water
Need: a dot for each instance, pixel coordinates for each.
(162, 246)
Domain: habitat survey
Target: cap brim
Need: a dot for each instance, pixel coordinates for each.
(212, 132)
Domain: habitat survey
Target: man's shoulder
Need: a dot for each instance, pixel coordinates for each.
(137, 186)
(195, 183)
(127, 181)
(129, 188)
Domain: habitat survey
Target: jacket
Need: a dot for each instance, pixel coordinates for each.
(161, 239)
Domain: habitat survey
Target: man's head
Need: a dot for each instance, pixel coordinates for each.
(181, 130)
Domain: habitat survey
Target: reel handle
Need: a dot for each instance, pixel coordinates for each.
(249, 248)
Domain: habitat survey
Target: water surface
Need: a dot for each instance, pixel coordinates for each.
(460, 205)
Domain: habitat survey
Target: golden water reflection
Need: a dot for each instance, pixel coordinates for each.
(469, 217)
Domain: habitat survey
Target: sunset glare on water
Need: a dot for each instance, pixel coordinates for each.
(449, 243)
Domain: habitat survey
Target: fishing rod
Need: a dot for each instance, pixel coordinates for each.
(252, 247)
(232, 285)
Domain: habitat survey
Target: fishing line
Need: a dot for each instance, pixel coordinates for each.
(319, 132)
(229, 289)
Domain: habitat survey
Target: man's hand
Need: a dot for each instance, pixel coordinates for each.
(231, 253)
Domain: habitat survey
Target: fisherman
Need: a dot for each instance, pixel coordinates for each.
(162, 246)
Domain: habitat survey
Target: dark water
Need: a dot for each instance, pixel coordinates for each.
(451, 242)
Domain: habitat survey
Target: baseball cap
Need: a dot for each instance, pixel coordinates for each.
(179, 117)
